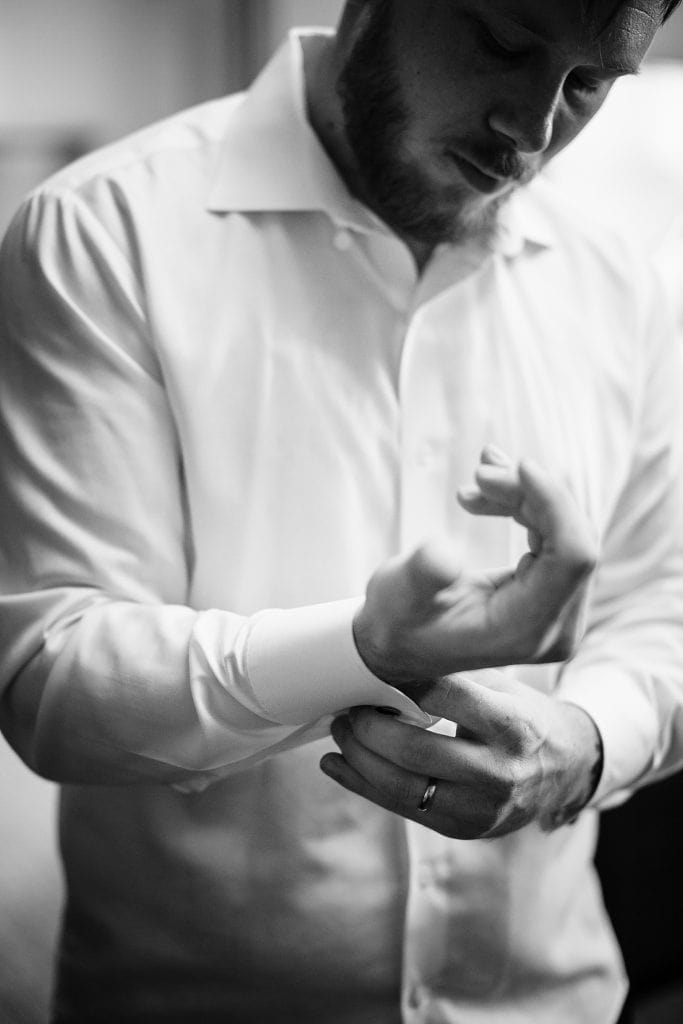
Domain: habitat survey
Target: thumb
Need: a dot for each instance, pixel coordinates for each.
(481, 708)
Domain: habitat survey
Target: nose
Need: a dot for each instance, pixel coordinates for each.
(525, 118)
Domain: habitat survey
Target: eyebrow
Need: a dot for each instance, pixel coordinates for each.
(513, 18)
(615, 70)
(618, 70)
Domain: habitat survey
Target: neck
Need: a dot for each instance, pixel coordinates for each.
(322, 62)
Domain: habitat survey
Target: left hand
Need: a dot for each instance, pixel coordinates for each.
(424, 616)
(519, 756)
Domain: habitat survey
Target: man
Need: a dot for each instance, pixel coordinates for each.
(248, 357)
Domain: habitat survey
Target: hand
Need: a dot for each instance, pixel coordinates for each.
(518, 756)
(423, 617)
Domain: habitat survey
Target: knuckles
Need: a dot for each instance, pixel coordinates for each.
(580, 551)
(583, 562)
(400, 796)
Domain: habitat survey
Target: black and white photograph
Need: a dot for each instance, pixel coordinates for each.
(341, 511)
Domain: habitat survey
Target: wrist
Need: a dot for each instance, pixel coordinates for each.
(584, 758)
(366, 643)
(379, 651)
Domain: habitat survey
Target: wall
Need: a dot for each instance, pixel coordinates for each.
(669, 42)
(268, 22)
(272, 19)
(108, 65)
(78, 73)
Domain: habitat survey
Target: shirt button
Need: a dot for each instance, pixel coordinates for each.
(343, 241)
(417, 997)
(425, 877)
(426, 454)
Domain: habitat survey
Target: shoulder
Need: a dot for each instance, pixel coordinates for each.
(580, 235)
(106, 199)
(130, 182)
(603, 268)
(598, 287)
(187, 141)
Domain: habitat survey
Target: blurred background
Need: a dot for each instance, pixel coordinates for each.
(77, 73)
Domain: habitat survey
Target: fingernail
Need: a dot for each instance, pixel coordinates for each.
(327, 765)
(496, 454)
(469, 493)
(489, 471)
(337, 729)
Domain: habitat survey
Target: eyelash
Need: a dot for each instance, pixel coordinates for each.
(576, 84)
(499, 48)
(581, 85)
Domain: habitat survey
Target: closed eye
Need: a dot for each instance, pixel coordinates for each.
(500, 46)
(497, 46)
(582, 83)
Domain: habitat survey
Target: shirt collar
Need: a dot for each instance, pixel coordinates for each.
(526, 220)
(271, 157)
(272, 160)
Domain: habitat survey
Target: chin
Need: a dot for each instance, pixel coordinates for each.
(475, 218)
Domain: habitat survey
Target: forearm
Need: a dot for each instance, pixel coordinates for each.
(581, 758)
(124, 692)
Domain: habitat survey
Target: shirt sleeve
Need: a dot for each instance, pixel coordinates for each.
(628, 673)
(106, 674)
(668, 262)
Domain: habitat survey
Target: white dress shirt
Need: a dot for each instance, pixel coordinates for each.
(226, 398)
(626, 168)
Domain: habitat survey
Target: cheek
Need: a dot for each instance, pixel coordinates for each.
(446, 81)
(570, 122)
(444, 107)
(566, 127)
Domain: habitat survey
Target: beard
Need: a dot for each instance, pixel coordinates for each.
(377, 122)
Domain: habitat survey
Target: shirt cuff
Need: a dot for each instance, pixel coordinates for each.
(302, 663)
(624, 717)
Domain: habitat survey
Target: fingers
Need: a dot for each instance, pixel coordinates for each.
(549, 508)
(556, 577)
(490, 712)
(361, 769)
(450, 692)
(478, 504)
(497, 490)
(506, 490)
(492, 455)
(431, 753)
(528, 494)
(400, 793)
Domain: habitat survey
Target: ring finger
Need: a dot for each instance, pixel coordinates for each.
(401, 791)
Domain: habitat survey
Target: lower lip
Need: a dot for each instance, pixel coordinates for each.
(479, 181)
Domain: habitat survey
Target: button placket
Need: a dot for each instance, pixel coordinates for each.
(417, 996)
(426, 436)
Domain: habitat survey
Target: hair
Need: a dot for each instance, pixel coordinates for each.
(667, 6)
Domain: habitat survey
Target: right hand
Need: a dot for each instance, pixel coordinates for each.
(423, 617)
